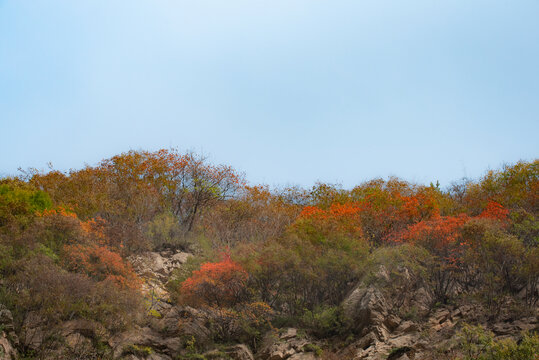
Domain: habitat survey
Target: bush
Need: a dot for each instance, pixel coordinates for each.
(317, 350)
(293, 274)
(164, 231)
(139, 351)
(324, 321)
(246, 323)
(100, 263)
(57, 295)
(494, 261)
(525, 226)
(216, 284)
(479, 344)
(19, 201)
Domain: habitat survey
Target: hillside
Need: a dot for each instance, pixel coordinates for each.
(163, 255)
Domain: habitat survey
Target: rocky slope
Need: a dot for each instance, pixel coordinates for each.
(387, 318)
(380, 327)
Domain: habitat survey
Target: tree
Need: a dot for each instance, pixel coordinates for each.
(255, 214)
(442, 236)
(186, 183)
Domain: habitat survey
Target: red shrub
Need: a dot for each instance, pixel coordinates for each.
(495, 211)
(216, 284)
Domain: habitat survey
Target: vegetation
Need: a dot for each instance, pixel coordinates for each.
(263, 256)
(479, 344)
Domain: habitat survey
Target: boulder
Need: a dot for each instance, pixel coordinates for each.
(180, 258)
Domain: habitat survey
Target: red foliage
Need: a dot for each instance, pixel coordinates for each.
(436, 233)
(216, 284)
(386, 212)
(495, 211)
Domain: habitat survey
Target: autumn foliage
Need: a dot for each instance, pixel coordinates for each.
(436, 234)
(101, 264)
(337, 220)
(216, 284)
(495, 211)
(291, 253)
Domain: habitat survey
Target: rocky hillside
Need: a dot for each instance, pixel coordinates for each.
(377, 327)
(161, 255)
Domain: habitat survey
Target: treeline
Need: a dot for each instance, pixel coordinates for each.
(285, 255)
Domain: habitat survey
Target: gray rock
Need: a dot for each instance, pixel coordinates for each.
(180, 257)
(236, 352)
(155, 268)
(145, 337)
(285, 345)
(8, 339)
(7, 350)
(366, 308)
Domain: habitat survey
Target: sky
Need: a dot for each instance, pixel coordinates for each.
(288, 91)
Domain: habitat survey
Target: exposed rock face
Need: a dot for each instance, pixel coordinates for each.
(186, 322)
(287, 344)
(372, 310)
(68, 340)
(163, 347)
(366, 307)
(33, 331)
(155, 268)
(8, 338)
(236, 352)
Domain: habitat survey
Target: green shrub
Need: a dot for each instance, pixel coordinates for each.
(165, 231)
(479, 344)
(19, 201)
(137, 350)
(324, 321)
(317, 350)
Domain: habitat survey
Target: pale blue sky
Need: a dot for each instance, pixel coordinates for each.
(289, 91)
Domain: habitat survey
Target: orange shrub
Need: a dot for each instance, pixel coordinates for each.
(100, 263)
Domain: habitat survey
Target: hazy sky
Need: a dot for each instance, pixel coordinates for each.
(288, 91)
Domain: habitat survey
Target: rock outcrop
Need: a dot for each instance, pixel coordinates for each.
(236, 352)
(155, 269)
(144, 342)
(287, 344)
(8, 338)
